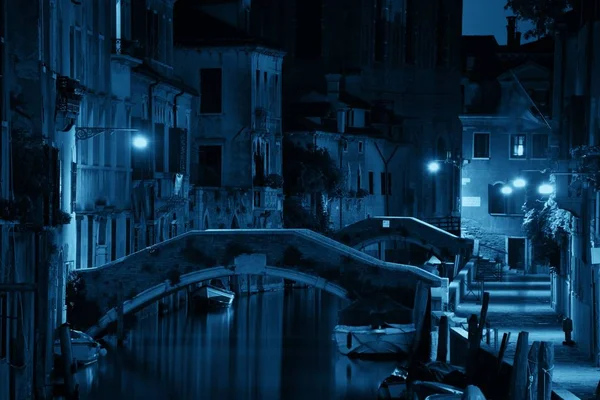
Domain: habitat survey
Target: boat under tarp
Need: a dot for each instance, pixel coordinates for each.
(376, 312)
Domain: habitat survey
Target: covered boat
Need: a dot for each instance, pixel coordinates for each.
(213, 295)
(84, 348)
(373, 328)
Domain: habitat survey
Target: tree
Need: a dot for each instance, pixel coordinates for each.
(542, 13)
(309, 171)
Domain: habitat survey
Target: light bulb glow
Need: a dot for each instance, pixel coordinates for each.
(546, 189)
(519, 183)
(140, 142)
(506, 190)
(433, 166)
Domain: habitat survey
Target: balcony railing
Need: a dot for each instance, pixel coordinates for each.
(448, 224)
(131, 48)
(266, 198)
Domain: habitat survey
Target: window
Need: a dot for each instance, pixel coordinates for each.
(308, 29)
(539, 146)
(481, 145)
(345, 146)
(386, 183)
(380, 32)
(113, 239)
(371, 183)
(517, 146)
(128, 236)
(3, 325)
(211, 91)
(507, 204)
(360, 147)
(210, 167)
(159, 147)
(177, 150)
(358, 182)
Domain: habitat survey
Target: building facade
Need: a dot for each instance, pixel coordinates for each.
(236, 143)
(576, 287)
(506, 134)
(41, 110)
(409, 74)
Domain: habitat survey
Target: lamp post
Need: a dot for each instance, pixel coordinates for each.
(435, 166)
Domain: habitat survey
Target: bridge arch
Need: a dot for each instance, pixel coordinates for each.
(440, 243)
(164, 289)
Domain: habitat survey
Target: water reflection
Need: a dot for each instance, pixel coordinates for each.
(268, 346)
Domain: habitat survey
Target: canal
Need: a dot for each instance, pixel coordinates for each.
(266, 346)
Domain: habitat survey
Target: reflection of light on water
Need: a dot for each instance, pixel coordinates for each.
(355, 377)
(85, 377)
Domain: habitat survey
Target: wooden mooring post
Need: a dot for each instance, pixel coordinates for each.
(474, 345)
(443, 339)
(519, 377)
(545, 368)
(532, 372)
(64, 335)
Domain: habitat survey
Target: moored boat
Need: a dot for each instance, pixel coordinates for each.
(365, 341)
(213, 295)
(375, 328)
(84, 348)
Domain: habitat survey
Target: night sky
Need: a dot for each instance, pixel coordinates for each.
(487, 17)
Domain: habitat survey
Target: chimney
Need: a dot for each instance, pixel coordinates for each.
(511, 31)
(333, 86)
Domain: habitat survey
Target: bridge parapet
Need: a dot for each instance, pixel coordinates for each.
(443, 244)
(295, 254)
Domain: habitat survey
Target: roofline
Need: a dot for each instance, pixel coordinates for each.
(253, 47)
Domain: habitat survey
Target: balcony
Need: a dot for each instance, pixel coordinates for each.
(263, 122)
(127, 51)
(70, 94)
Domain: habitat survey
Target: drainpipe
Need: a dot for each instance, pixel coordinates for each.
(175, 107)
(341, 150)
(151, 110)
(385, 167)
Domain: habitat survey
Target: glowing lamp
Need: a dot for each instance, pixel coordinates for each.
(506, 190)
(140, 142)
(546, 189)
(433, 166)
(519, 183)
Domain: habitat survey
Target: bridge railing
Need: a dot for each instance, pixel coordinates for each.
(450, 224)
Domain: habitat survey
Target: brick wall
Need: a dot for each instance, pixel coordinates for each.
(199, 250)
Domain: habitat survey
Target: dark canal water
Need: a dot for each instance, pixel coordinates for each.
(267, 346)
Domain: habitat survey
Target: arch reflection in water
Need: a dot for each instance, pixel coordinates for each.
(267, 346)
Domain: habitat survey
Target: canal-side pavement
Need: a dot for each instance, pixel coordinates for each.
(523, 304)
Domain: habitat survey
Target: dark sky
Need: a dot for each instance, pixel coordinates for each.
(487, 17)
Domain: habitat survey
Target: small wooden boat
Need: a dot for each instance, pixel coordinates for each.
(375, 328)
(365, 341)
(84, 348)
(213, 295)
(394, 386)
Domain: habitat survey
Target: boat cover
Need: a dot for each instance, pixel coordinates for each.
(375, 312)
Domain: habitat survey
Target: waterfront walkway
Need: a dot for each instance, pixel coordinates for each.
(522, 303)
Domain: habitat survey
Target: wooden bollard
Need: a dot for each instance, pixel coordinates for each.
(518, 379)
(64, 335)
(474, 344)
(473, 393)
(545, 368)
(443, 339)
(532, 375)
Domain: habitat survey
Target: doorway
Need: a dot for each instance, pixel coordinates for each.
(515, 247)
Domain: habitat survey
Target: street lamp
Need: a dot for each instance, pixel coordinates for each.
(433, 167)
(140, 142)
(546, 189)
(519, 183)
(506, 190)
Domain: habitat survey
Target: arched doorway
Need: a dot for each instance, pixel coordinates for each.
(234, 223)
(206, 225)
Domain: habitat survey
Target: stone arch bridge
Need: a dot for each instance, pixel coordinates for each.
(296, 254)
(375, 230)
